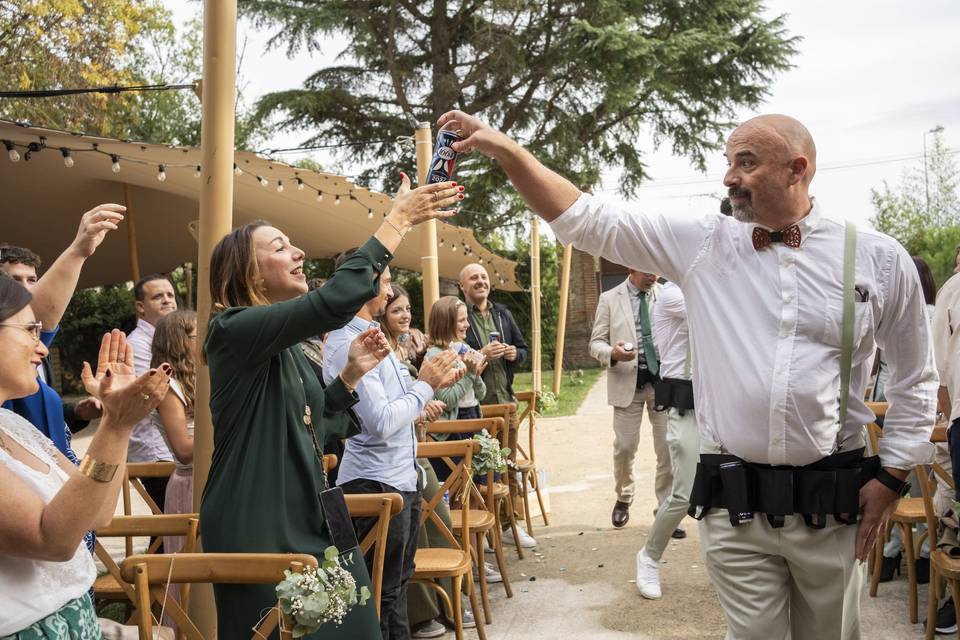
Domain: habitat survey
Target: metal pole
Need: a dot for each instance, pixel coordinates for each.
(535, 301)
(429, 266)
(131, 235)
(562, 323)
(216, 219)
(926, 181)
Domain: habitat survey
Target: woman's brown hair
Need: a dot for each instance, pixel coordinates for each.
(234, 273)
(171, 344)
(443, 321)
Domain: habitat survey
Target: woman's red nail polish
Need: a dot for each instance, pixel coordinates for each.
(455, 184)
(108, 374)
(462, 188)
(460, 196)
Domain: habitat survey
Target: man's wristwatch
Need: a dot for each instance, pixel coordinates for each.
(895, 484)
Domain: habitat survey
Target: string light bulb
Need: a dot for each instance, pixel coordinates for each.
(336, 200)
(263, 181)
(237, 171)
(369, 214)
(161, 173)
(299, 184)
(319, 196)
(197, 172)
(67, 158)
(12, 152)
(279, 186)
(115, 163)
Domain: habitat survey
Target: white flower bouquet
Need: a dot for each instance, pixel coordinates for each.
(314, 597)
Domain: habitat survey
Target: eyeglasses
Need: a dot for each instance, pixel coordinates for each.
(33, 328)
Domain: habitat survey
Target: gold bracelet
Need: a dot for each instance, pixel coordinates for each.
(350, 388)
(395, 228)
(96, 470)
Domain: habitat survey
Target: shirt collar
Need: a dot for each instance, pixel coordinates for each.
(358, 324)
(147, 328)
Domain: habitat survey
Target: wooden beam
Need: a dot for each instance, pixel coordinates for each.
(429, 264)
(562, 323)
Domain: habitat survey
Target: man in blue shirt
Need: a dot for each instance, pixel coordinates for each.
(382, 457)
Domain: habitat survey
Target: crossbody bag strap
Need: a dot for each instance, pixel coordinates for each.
(846, 335)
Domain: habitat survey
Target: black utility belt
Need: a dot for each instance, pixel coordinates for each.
(829, 486)
(644, 376)
(673, 393)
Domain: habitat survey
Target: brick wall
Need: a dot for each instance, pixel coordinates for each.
(581, 309)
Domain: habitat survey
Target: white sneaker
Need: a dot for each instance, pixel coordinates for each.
(526, 542)
(648, 576)
(491, 573)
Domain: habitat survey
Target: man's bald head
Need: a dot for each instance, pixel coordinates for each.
(475, 283)
(784, 134)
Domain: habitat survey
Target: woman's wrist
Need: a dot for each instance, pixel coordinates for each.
(396, 222)
(113, 425)
(350, 377)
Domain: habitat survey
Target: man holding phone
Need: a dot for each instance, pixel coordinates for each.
(623, 343)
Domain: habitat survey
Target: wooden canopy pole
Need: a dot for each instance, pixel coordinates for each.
(131, 235)
(535, 302)
(429, 265)
(216, 220)
(562, 324)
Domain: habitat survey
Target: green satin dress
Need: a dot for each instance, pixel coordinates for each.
(264, 482)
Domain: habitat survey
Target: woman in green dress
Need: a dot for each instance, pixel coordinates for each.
(265, 479)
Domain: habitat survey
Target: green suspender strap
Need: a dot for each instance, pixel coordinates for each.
(846, 335)
(686, 363)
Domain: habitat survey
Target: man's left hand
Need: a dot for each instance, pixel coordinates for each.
(510, 353)
(876, 503)
(88, 409)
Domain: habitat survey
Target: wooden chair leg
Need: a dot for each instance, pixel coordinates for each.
(955, 592)
(876, 555)
(535, 482)
(482, 576)
(481, 631)
(457, 612)
(932, 603)
(501, 561)
(512, 517)
(526, 502)
(907, 530)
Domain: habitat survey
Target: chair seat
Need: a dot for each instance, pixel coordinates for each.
(500, 490)
(523, 465)
(439, 563)
(477, 519)
(947, 566)
(106, 586)
(909, 510)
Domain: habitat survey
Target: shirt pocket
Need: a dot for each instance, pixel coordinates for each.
(863, 328)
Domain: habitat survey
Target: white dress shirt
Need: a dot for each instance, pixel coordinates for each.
(946, 340)
(768, 324)
(670, 332)
(146, 442)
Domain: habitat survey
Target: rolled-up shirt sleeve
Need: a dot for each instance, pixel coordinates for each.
(911, 390)
(663, 244)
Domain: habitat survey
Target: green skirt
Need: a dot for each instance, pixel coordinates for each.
(75, 620)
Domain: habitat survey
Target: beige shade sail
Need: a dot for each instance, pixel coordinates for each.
(41, 201)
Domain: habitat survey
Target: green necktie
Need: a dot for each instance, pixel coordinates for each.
(649, 352)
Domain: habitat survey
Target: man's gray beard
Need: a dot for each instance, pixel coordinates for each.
(744, 212)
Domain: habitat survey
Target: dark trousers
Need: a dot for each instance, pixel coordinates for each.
(398, 561)
(953, 442)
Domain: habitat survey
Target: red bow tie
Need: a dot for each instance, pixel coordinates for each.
(789, 236)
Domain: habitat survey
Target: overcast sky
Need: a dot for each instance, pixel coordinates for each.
(869, 79)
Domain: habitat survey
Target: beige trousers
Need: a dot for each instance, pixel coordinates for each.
(626, 430)
(794, 582)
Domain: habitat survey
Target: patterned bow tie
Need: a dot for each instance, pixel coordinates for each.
(789, 236)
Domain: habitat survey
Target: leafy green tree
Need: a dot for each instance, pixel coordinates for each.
(577, 81)
(923, 211)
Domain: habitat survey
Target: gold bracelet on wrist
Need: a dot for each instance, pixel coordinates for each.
(395, 228)
(96, 470)
(351, 388)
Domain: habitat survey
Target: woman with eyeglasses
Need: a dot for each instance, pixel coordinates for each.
(47, 503)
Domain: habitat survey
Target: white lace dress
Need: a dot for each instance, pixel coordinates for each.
(30, 589)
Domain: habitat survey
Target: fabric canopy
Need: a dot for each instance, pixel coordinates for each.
(43, 199)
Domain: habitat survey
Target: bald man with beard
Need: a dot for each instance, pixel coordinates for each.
(769, 303)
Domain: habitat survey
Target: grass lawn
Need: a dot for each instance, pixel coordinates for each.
(572, 392)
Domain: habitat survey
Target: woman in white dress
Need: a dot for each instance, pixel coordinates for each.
(47, 503)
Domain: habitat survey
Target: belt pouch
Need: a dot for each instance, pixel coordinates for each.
(848, 495)
(736, 495)
(705, 486)
(775, 494)
(662, 395)
(816, 496)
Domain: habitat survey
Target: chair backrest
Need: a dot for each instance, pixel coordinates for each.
(151, 573)
(529, 413)
(495, 427)
(329, 462)
(181, 524)
(135, 471)
(460, 475)
(381, 506)
(507, 411)
(879, 408)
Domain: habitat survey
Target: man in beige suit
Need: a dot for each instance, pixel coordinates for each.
(622, 342)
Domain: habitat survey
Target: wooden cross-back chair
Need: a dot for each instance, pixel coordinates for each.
(483, 520)
(382, 506)
(526, 460)
(111, 587)
(329, 462)
(455, 562)
(134, 473)
(149, 575)
(504, 491)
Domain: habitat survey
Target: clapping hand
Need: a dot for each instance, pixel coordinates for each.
(366, 351)
(440, 371)
(126, 399)
(432, 410)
